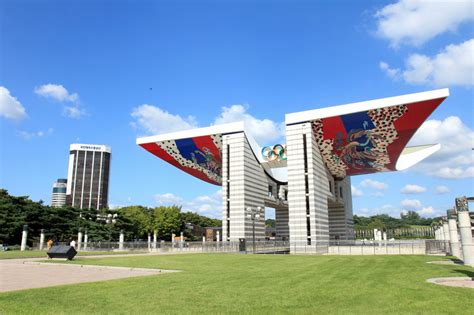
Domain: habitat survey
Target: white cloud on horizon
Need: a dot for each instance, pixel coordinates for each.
(207, 205)
(411, 204)
(10, 107)
(370, 183)
(454, 65)
(414, 22)
(412, 189)
(455, 159)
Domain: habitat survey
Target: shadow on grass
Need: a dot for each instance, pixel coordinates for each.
(468, 273)
(456, 261)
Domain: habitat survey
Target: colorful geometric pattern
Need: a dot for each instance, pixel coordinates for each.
(198, 156)
(369, 141)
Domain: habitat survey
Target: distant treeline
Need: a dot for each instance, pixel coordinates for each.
(63, 223)
(384, 221)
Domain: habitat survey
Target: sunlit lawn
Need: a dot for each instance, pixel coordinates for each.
(233, 283)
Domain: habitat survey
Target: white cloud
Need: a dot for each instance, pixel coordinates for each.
(59, 93)
(452, 66)
(377, 194)
(455, 160)
(415, 22)
(263, 130)
(155, 120)
(373, 184)
(356, 192)
(441, 189)
(36, 134)
(74, 111)
(56, 92)
(412, 189)
(411, 204)
(168, 199)
(390, 72)
(10, 107)
(384, 209)
(208, 205)
(426, 211)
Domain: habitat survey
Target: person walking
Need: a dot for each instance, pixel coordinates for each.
(73, 243)
(49, 243)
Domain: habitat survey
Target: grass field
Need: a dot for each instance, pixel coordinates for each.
(11, 254)
(232, 283)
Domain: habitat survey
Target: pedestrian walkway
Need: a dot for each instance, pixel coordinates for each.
(20, 274)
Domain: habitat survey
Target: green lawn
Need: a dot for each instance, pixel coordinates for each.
(11, 254)
(232, 283)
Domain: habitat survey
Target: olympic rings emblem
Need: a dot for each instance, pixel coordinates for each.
(275, 153)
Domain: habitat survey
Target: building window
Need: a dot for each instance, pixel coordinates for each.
(270, 191)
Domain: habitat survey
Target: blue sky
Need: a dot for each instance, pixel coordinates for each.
(84, 71)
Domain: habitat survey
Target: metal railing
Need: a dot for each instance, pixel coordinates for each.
(333, 247)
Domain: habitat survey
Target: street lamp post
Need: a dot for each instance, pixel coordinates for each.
(254, 214)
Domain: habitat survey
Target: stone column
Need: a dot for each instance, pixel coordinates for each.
(24, 236)
(466, 232)
(79, 239)
(181, 241)
(86, 236)
(446, 235)
(155, 235)
(218, 236)
(172, 240)
(149, 242)
(453, 233)
(41, 244)
(121, 239)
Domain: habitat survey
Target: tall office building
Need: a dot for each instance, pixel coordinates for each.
(58, 197)
(88, 176)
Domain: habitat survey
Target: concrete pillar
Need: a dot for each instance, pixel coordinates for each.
(86, 236)
(218, 236)
(172, 240)
(41, 244)
(121, 239)
(203, 239)
(308, 215)
(24, 236)
(79, 239)
(155, 235)
(466, 232)
(181, 241)
(453, 233)
(149, 242)
(238, 169)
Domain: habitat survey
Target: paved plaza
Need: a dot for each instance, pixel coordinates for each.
(20, 274)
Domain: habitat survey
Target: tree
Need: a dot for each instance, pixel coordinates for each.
(167, 220)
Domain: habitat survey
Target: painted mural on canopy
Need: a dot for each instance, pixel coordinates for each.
(369, 141)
